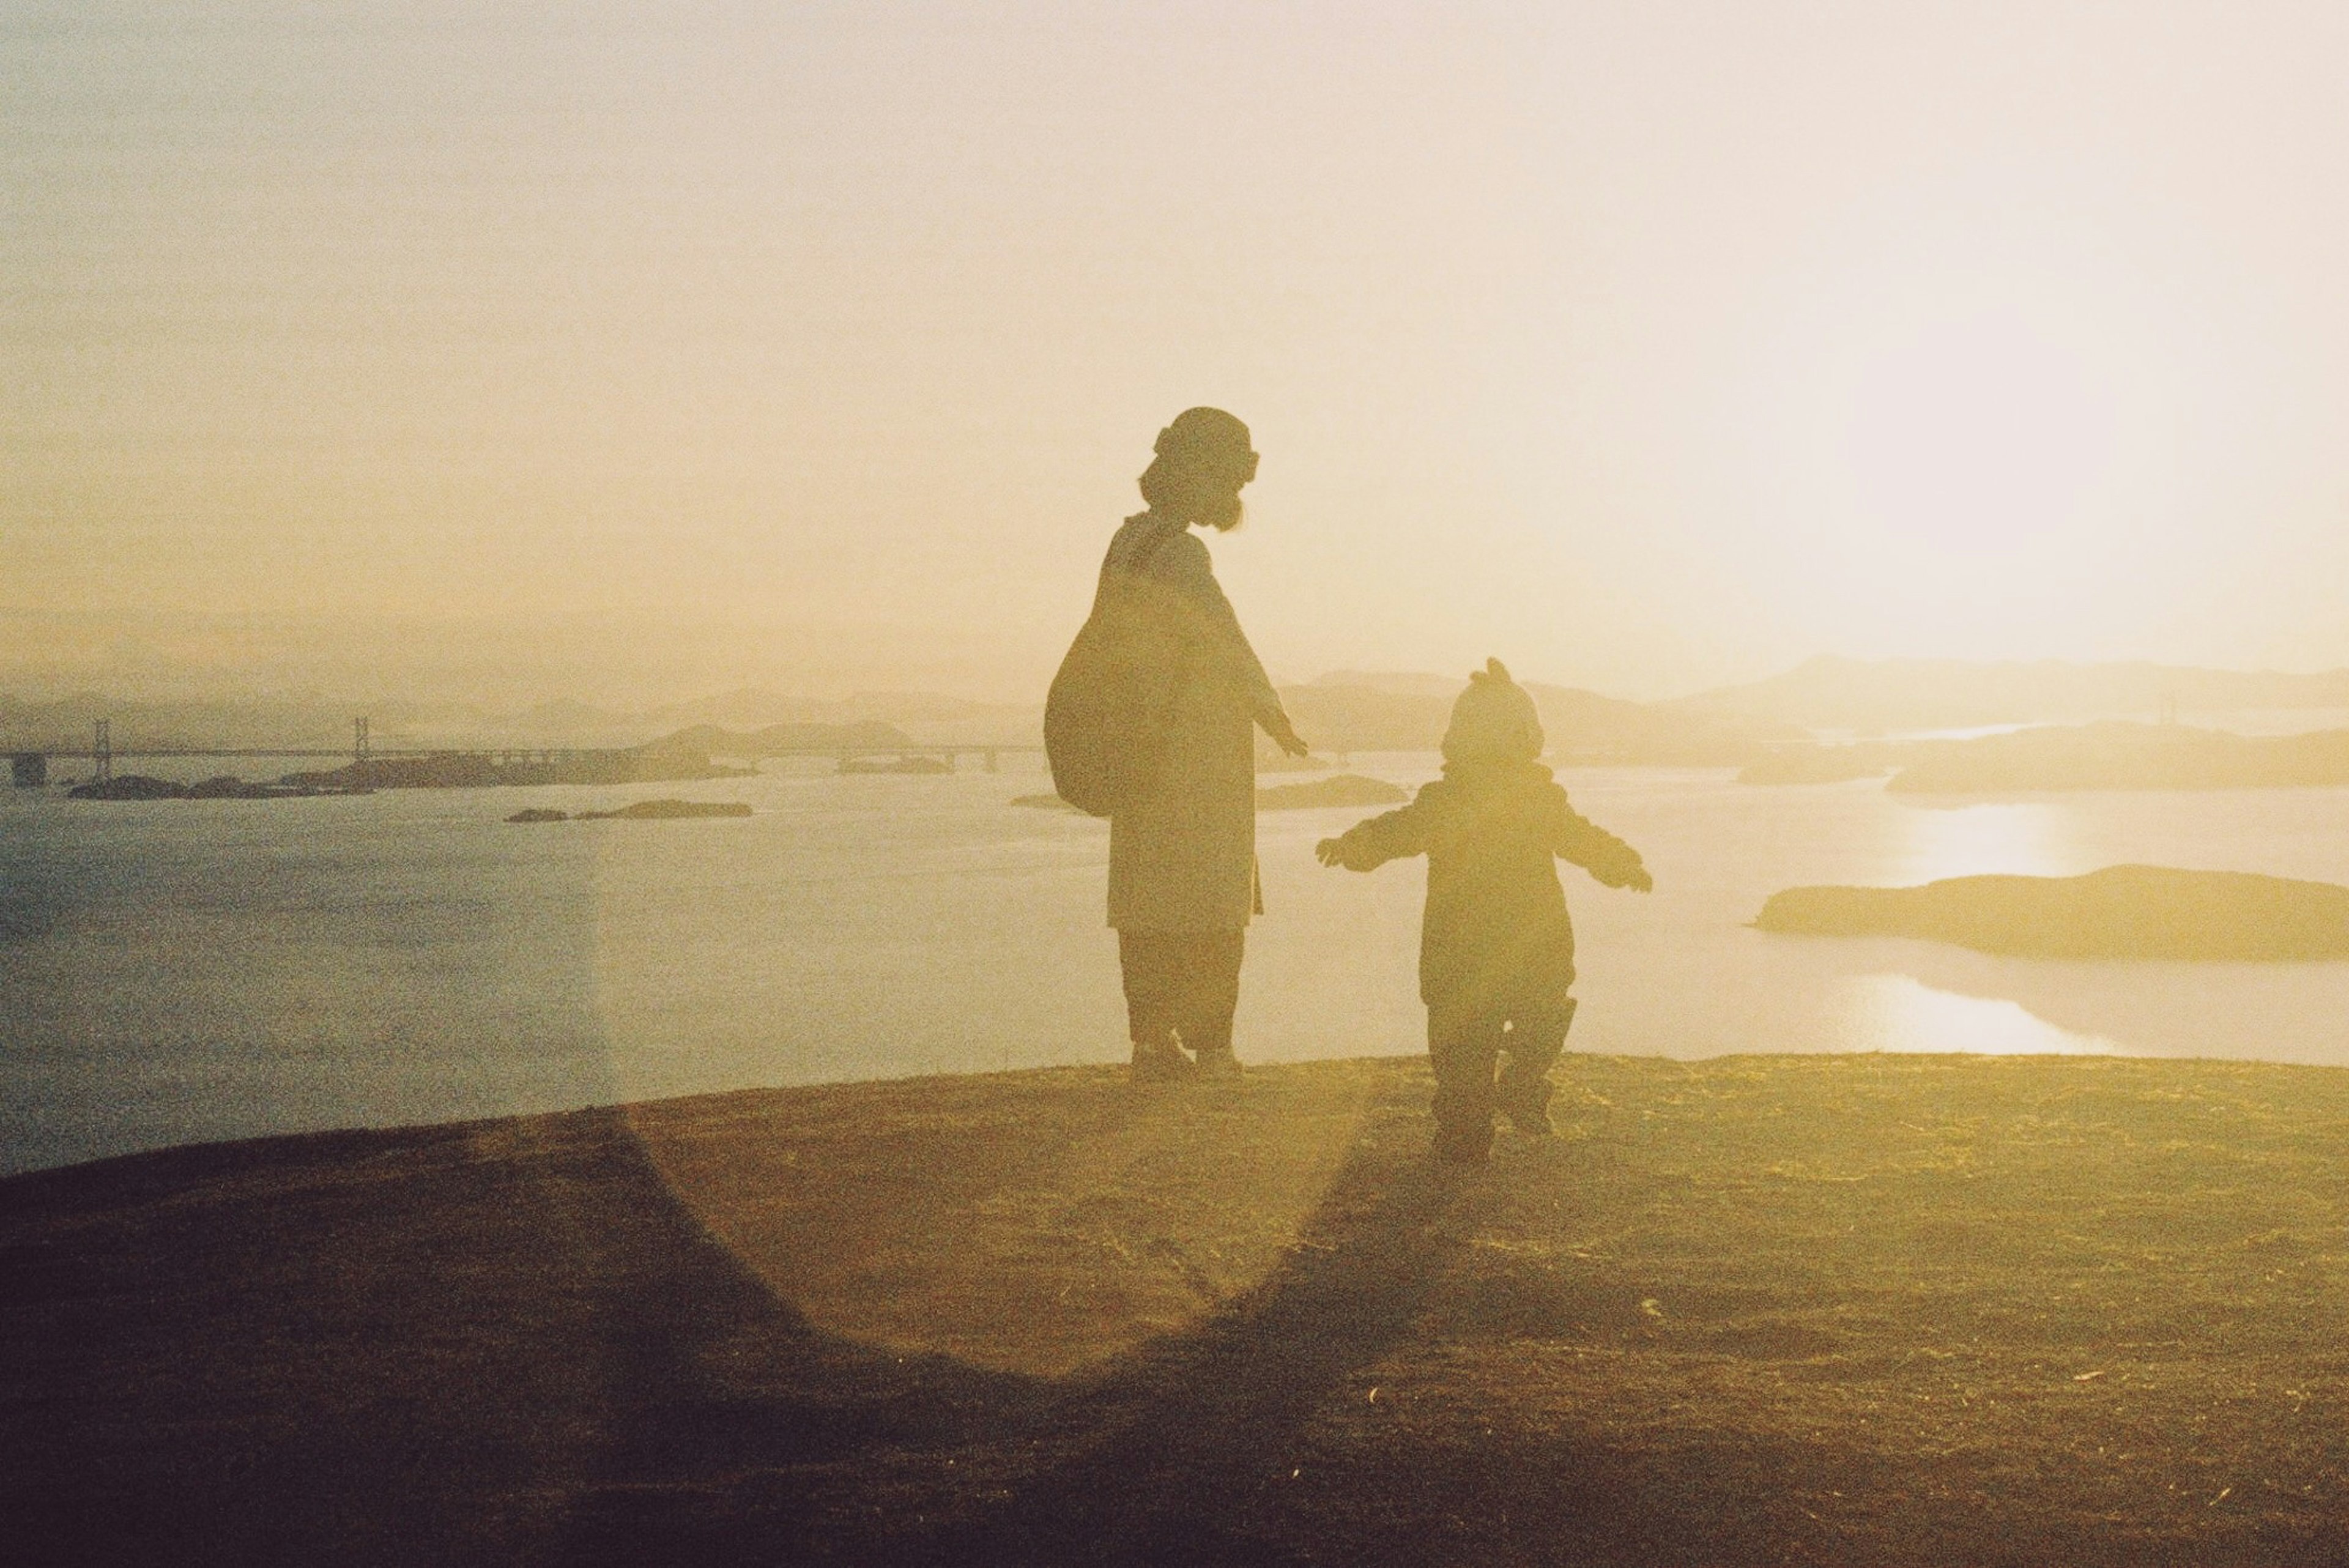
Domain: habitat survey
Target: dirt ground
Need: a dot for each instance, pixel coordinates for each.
(1766, 1310)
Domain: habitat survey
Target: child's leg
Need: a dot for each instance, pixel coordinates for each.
(1535, 1039)
(1462, 1046)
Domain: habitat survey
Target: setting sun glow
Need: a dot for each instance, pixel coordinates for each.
(829, 341)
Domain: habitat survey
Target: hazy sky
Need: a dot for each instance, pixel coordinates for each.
(1645, 345)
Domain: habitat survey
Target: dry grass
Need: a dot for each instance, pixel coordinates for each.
(1813, 1310)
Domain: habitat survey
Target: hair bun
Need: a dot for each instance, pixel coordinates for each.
(1204, 432)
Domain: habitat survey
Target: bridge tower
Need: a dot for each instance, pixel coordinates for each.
(359, 753)
(101, 752)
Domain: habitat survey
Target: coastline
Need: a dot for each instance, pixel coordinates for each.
(1830, 1309)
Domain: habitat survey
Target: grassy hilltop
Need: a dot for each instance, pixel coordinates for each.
(1816, 1309)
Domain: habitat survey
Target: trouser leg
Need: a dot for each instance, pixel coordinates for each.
(1210, 991)
(1181, 983)
(1151, 965)
(1535, 1039)
(1462, 1047)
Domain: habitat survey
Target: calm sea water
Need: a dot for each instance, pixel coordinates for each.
(178, 970)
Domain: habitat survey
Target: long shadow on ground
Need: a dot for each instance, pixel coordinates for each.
(513, 1343)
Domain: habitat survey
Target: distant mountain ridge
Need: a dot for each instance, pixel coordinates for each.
(761, 721)
(752, 708)
(778, 740)
(2115, 755)
(1874, 696)
(1338, 712)
(1408, 712)
(1401, 683)
(301, 723)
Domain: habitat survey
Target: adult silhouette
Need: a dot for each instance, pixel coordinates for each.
(1181, 852)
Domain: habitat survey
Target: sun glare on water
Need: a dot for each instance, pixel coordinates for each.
(2018, 838)
(1896, 1012)
(1901, 1012)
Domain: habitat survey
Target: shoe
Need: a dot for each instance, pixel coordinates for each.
(1525, 1102)
(1457, 1146)
(1531, 1120)
(1221, 1066)
(1162, 1061)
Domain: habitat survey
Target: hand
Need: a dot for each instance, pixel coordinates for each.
(1330, 852)
(1637, 880)
(1284, 735)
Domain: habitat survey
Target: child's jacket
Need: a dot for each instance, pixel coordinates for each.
(1496, 934)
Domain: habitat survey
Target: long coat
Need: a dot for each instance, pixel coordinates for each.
(1495, 934)
(1183, 858)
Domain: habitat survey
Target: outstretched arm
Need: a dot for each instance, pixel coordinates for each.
(1367, 846)
(1579, 839)
(1227, 645)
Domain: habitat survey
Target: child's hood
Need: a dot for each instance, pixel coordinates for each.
(1494, 719)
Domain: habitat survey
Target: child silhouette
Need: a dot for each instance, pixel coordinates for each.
(1497, 950)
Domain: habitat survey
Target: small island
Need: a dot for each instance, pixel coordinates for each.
(641, 810)
(668, 810)
(224, 787)
(2120, 912)
(1042, 803)
(1338, 789)
(913, 763)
